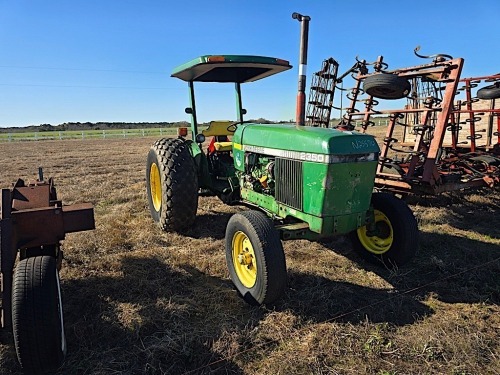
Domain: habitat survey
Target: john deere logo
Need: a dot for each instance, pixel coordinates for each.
(237, 158)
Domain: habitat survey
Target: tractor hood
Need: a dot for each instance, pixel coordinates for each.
(304, 142)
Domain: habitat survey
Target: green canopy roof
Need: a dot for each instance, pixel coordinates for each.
(230, 68)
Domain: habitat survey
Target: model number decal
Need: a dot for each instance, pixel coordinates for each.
(363, 143)
(317, 158)
(305, 156)
(312, 157)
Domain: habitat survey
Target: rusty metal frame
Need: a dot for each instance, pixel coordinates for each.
(429, 167)
(32, 218)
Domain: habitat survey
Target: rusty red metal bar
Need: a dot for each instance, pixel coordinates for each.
(32, 219)
(422, 160)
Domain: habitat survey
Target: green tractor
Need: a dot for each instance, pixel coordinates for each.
(300, 182)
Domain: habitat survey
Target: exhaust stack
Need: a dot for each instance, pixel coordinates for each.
(300, 113)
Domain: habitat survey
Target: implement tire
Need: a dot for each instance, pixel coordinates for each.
(489, 92)
(172, 184)
(386, 86)
(37, 319)
(396, 241)
(255, 257)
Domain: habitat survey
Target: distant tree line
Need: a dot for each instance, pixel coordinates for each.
(106, 125)
(92, 126)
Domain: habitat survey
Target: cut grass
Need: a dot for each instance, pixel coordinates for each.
(139, 301)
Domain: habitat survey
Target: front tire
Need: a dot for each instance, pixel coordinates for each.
(172, 184)
(255, 257)
(396, 235)
(37, 317)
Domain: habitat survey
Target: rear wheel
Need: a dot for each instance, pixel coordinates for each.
(255, 257)
(172, 184)
(395, 238)
(37, 317)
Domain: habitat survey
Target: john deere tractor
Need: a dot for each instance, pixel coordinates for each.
(300, 182)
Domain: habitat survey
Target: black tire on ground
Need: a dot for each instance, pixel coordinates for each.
(489, 92)
(255, 257)
(172, 184)
(37, 319)
(386, 86)
(397, 239)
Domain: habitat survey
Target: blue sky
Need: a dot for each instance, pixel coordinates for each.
(106, 60)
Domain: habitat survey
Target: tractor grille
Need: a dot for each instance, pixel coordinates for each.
(289, 178)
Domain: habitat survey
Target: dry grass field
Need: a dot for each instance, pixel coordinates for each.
(139, 301)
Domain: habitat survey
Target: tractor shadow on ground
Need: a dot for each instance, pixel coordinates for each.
(324, 300)
(145, 321)
(453, 269)
(211, 225)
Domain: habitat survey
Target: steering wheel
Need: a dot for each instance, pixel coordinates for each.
(232, 127)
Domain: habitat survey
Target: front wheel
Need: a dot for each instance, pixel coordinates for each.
(255, 257)
(37, 317)
(394, 240)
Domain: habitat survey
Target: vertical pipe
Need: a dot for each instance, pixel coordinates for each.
(192, 103)
(239, 109)
(301, 96)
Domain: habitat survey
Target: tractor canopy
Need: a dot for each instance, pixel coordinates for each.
(230, 68)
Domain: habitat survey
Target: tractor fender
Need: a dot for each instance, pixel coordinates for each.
(201, 163)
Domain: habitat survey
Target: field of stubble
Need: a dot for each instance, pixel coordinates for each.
(139, 301)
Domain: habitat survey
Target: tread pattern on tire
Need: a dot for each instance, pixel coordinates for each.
(273, 273)
(179, 184)
(386, 86)
(35, 315)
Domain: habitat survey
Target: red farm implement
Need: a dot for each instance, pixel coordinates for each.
(442, 132)
(33, 223)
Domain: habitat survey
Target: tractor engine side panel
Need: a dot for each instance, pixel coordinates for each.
(323, 178)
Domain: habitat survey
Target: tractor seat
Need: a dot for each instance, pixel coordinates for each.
(223, 146)
(218, 128)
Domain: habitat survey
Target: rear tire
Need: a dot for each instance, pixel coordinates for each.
(37, 317)
(172, 184)
(397, 239)
(386, 86)
(255, 257)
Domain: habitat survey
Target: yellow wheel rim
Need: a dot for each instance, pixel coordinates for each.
(382, 242)
(244, 261)
(155, 186)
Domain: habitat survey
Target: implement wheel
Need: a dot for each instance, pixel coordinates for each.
(172, 184)
(37, 317)
(395, 240)
(386, 86)
(255, 257)
(489, 92)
